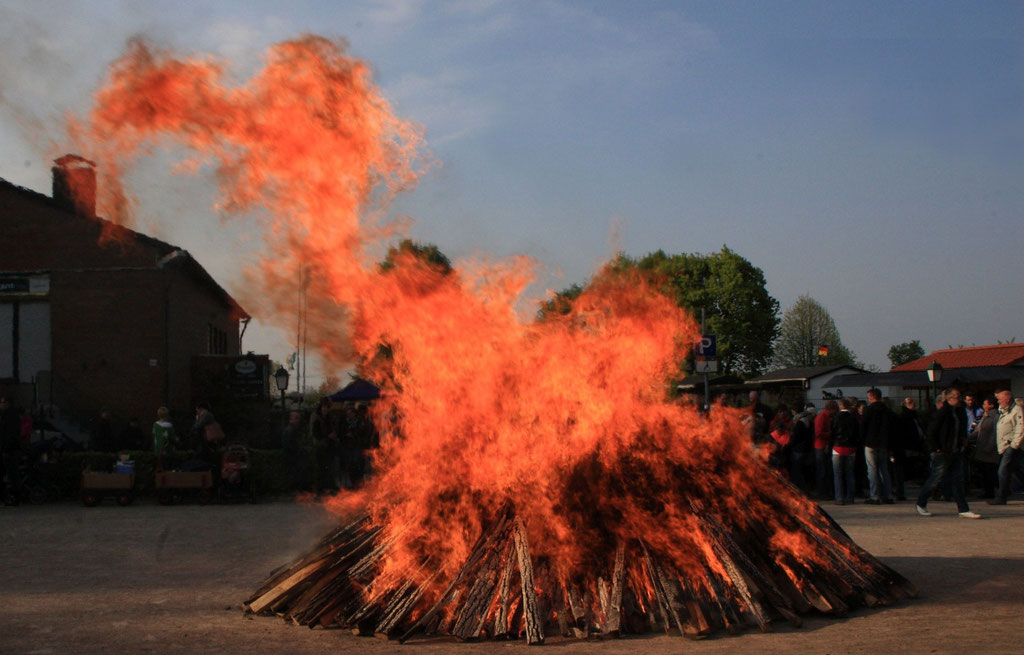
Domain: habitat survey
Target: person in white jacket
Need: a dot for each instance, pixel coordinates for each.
(1009, 442)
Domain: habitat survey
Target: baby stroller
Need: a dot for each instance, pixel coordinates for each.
(236, 481)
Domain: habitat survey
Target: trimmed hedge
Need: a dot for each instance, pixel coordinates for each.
(266, 467)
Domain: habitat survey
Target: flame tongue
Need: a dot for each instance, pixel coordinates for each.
(561, 423)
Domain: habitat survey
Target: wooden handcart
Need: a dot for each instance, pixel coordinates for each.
(172, 486)
(96, 485)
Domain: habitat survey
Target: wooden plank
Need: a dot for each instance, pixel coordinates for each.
(332, 541)
(531, 616)
(659, 592)
(400, 607)
(481, 547)
(739, 583)
(481, 595)
(501, 618)
(269, 597)
(699, 624)
(579, 617)
(604, 593)
(562, 614)
(673, 594)
(299, 606)
(613, 616)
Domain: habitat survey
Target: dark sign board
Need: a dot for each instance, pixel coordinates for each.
(247, 378)
(240, 377)
(36, 285)
(14, 285)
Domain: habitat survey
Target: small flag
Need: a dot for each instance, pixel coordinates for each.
(822, 351)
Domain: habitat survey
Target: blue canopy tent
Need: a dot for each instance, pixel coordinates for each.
(357, 389)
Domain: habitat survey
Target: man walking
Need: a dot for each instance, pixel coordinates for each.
(877, 424)
(1009, 441)
(947, 442)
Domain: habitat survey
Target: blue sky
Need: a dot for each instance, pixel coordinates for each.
(869, 154)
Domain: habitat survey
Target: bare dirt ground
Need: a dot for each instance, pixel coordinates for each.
(148, 578)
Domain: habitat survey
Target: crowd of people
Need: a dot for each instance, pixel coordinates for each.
(327, 452)
(850, 447)
(855, 446)
(331, 452)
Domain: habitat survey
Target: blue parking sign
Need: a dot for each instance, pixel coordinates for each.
(707, 346)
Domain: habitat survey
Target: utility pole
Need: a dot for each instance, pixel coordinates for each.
(298, 336)
(707, 390)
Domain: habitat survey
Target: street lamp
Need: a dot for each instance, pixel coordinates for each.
(934, 376)
(281, 379)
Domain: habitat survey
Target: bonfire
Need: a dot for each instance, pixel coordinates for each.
(533, 477)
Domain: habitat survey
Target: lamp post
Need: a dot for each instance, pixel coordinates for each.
(934, 376)
(281, 379)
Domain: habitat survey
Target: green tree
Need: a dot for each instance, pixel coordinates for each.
(426, 253)
(560, 304)
(901, 353)
(731, 291)
(806, 327)
(434, 267)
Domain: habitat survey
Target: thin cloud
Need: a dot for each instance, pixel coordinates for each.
(443, 103)
(395, 14)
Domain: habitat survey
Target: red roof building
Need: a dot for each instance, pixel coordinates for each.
(1007, 354)
(980, 370)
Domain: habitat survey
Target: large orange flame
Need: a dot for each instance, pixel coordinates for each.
(565, 418)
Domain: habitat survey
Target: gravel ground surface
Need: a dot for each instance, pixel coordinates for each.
(149, 578)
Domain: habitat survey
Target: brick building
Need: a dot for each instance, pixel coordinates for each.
(96, 315)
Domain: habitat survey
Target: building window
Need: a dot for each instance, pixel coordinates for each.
(217, 340)
(24, 340)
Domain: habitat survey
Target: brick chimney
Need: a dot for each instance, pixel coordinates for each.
(74, 184)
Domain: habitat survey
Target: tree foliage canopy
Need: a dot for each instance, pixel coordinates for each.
(731, 291)
(901, 353)
(807, 326)
(431, 267)
(560, 304)
(426, 253)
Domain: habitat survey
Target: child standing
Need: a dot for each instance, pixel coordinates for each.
(163, 435)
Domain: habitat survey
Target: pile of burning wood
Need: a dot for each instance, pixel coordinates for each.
(502, 593)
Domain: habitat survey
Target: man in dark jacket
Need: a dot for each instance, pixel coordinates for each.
(907, 436)
(10, 449)
(986, 453)
(101, 438)
(324, 430)
(876, 427)
(760, 416)
(845, 439)
(946, 440)
(801, 447)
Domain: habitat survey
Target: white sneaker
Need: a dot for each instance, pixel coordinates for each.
(922, 511)
(969, 515)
